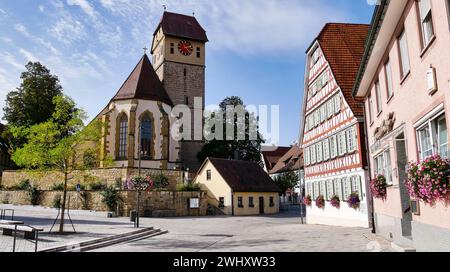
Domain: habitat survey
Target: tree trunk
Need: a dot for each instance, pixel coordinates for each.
(63, 207)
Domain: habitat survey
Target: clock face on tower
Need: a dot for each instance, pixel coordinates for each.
(185, 48)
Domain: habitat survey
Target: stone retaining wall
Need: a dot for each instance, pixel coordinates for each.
(151, 203)
(109, 176)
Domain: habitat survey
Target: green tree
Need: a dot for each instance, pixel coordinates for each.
(32, 102)
(247, 149)
(286, 181)
(57, 146)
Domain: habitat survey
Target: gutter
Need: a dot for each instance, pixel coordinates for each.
(377, 21)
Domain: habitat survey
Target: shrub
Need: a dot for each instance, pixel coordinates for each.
(58, 187)
(111, 197)
(34, 195)
(189, 187)
(353, 200)
(98, 185)
(57, 202)
(335, 201)
(84, 200)
(429, 180)
(24, 185)
(320, 202)
(307, 201)
(378, 187)
(160, 181)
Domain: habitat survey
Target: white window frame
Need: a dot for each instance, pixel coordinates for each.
(370, 108)
(312, 152)
(351, 139)
(383, 165)
(326, 149)
(330, 107)
(404, 54)
(319, 149)
(426, 21)
(432, 125)
(389, 82)
(337, 104)
(306, 155)
(338, 188)
(378, 97)
(346, 187)
(333, 146)
(342, 144)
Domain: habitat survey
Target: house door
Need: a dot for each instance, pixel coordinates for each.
(402, 161)
(261, 205)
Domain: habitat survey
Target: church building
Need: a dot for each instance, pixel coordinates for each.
(138, 117)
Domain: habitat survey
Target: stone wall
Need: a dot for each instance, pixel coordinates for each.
(109, 176)
(151, 203)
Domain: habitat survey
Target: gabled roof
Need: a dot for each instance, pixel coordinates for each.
(271, 157)
(343, 46)
(291, 161)
(243, 176)
(183, 26)
(143, 83)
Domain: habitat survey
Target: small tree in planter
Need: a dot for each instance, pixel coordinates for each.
(111, 198)
(335, 201)
(429, 180)
(160, 181)
(378, 186)
(307, 201)
(354, 201)
(320, 202)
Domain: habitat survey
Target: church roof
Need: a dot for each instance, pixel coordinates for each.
(183, 26)
(343, 46)
(143, 83)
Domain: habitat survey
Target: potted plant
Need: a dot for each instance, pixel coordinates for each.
(353, 200)
(320, 202)
(429, 180)
(378, 186)
(335, 201)
(307, 201)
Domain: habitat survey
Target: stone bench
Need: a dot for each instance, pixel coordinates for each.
(30, 233)
(163, 213)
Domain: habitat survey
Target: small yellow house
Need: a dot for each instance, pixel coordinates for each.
(238, 187)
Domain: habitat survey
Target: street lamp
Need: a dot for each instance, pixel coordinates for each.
(139, 174)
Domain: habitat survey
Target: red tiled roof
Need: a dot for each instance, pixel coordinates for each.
(243, 176)
(343, 46)
(272, 157)
(183, 26)
(291, 161)
(143, 83)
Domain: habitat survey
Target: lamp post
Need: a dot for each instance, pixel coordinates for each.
(139, 174)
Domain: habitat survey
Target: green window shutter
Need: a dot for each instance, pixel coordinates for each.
(330, 189)
(347, 187)
(338, 188)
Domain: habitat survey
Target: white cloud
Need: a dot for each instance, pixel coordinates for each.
(84, 5)
(68, 30)
(40, 41)
(41, 8)
(27, 55)
(11, 61)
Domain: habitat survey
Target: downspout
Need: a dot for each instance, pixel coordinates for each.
(369, 192)
(232, 203)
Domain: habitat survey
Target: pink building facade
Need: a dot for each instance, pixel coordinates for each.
(405, 81)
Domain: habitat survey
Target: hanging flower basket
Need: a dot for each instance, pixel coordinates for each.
(354, 201)
(320, 202)
(429, 180)
(335, 202)
(307, 201)
(378, 187)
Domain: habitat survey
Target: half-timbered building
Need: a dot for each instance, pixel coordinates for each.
(332, 134)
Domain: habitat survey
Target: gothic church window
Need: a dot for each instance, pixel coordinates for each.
(123, 133)
(146, 137)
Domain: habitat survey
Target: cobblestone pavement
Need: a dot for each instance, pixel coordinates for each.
(281, 233)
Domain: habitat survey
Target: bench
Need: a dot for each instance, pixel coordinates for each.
(3, 214)
(10, 228)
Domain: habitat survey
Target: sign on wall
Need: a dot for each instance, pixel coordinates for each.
(194, 203)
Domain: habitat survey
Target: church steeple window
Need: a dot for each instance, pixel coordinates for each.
(146, 136)
(122, 136)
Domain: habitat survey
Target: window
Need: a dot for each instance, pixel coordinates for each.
(208, 174)
(342, 144)
(185, 72)
(272, 202)
(323, 113)
(330, 108)
(351, 139)
(146, 137)
(337, 104)
(357, 186)
(426, 21)
(123, 133)
(172, 50)
(389, 82)
(433, 137)
(326, 149)
(221, 202)
(369, 109)
(404, 55)
(250, 202)
(240, 202)
(333, 147)
(383, 165)
(319, 152)
(315, 57)
(347, 187)
(186, 100)
(198, 52)
(378, 97)
(306, 156)
(338, 189)
(330, 189)
(312, 150)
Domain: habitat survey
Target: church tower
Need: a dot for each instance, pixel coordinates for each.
(178, 50)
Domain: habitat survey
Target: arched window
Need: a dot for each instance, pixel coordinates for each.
(146, 137)
(123, 136)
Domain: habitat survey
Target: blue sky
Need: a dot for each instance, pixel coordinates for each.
(256, 49)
